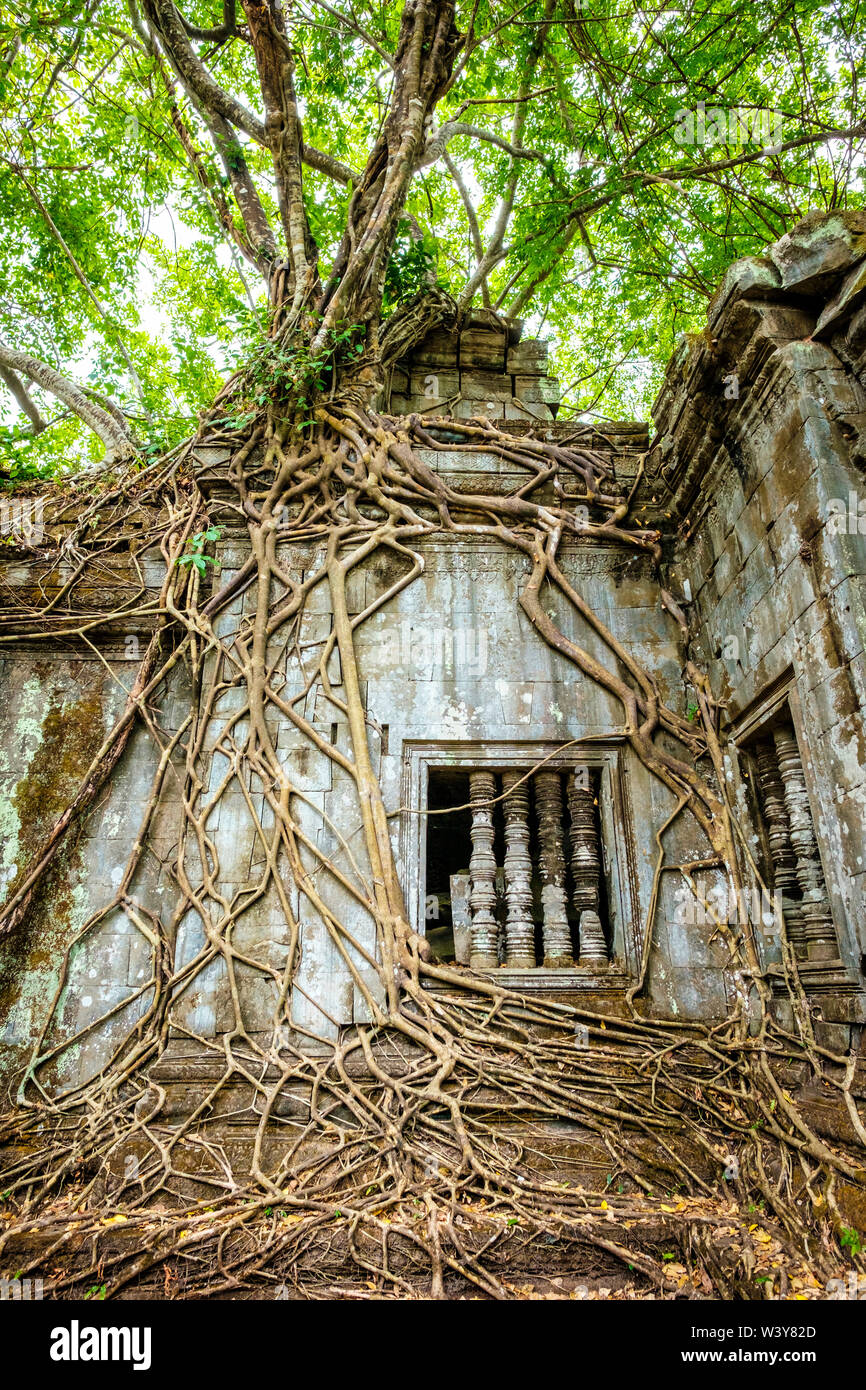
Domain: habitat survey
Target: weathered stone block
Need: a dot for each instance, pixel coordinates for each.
(429, 387)
(439, 349)
(528, 358)
(479, 410)
(525, 410)
(849, 299)
(483, 347)
(485, 386)
(534, 389)
(751, 278)
(813, 255)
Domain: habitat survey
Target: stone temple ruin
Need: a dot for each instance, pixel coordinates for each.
(525, 827)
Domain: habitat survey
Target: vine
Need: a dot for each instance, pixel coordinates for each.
(400, 1168)
(402, 1175)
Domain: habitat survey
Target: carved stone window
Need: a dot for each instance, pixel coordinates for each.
(792, 861)
(514, 868)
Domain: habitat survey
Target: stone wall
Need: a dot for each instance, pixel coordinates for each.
(484, 370)
(761, 439)
(760, 426)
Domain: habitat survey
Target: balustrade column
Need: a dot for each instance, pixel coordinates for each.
(484, 931)
(783, 861)
(818, 931)
(586, 870)
(519, 927)
(557, 933)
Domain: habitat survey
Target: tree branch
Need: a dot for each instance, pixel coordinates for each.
(209, 96)
(471, 218)
(440, 139)
(22, 396)
(118, 441)
(260, 235)
(220, 32)
(355, 28)
(328, 164)
(254, 239)
(494, 252)
(167, 22)
(423, 63)
(283, 131)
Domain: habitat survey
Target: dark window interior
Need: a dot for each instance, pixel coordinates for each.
(449, 848)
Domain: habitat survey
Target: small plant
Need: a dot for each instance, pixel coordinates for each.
(97, 1291)
(195, 556)
(850, 1239)
(411, 265)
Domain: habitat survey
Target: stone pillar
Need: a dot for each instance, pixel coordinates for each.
(818, 932)
(557, 934)
(586, 871)
(783, 861)
(482, 874)
(519, 927)
(461, 917)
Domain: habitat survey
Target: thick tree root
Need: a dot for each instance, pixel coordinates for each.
(408, 1163)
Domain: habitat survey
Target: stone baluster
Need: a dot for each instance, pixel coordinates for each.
(557, 933)
(461, 917)
(519, 927)
(818, 931)
(586, 870)
(783, 861)
(482, 874)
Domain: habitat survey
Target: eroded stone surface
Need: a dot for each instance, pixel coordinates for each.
(755, 475)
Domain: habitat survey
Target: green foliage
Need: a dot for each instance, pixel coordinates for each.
(411, 265)
(618, 234)
(196, 556)
(291, 373)
(850, 1239)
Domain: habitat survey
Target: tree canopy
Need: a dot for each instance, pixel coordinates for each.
(588, 165)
